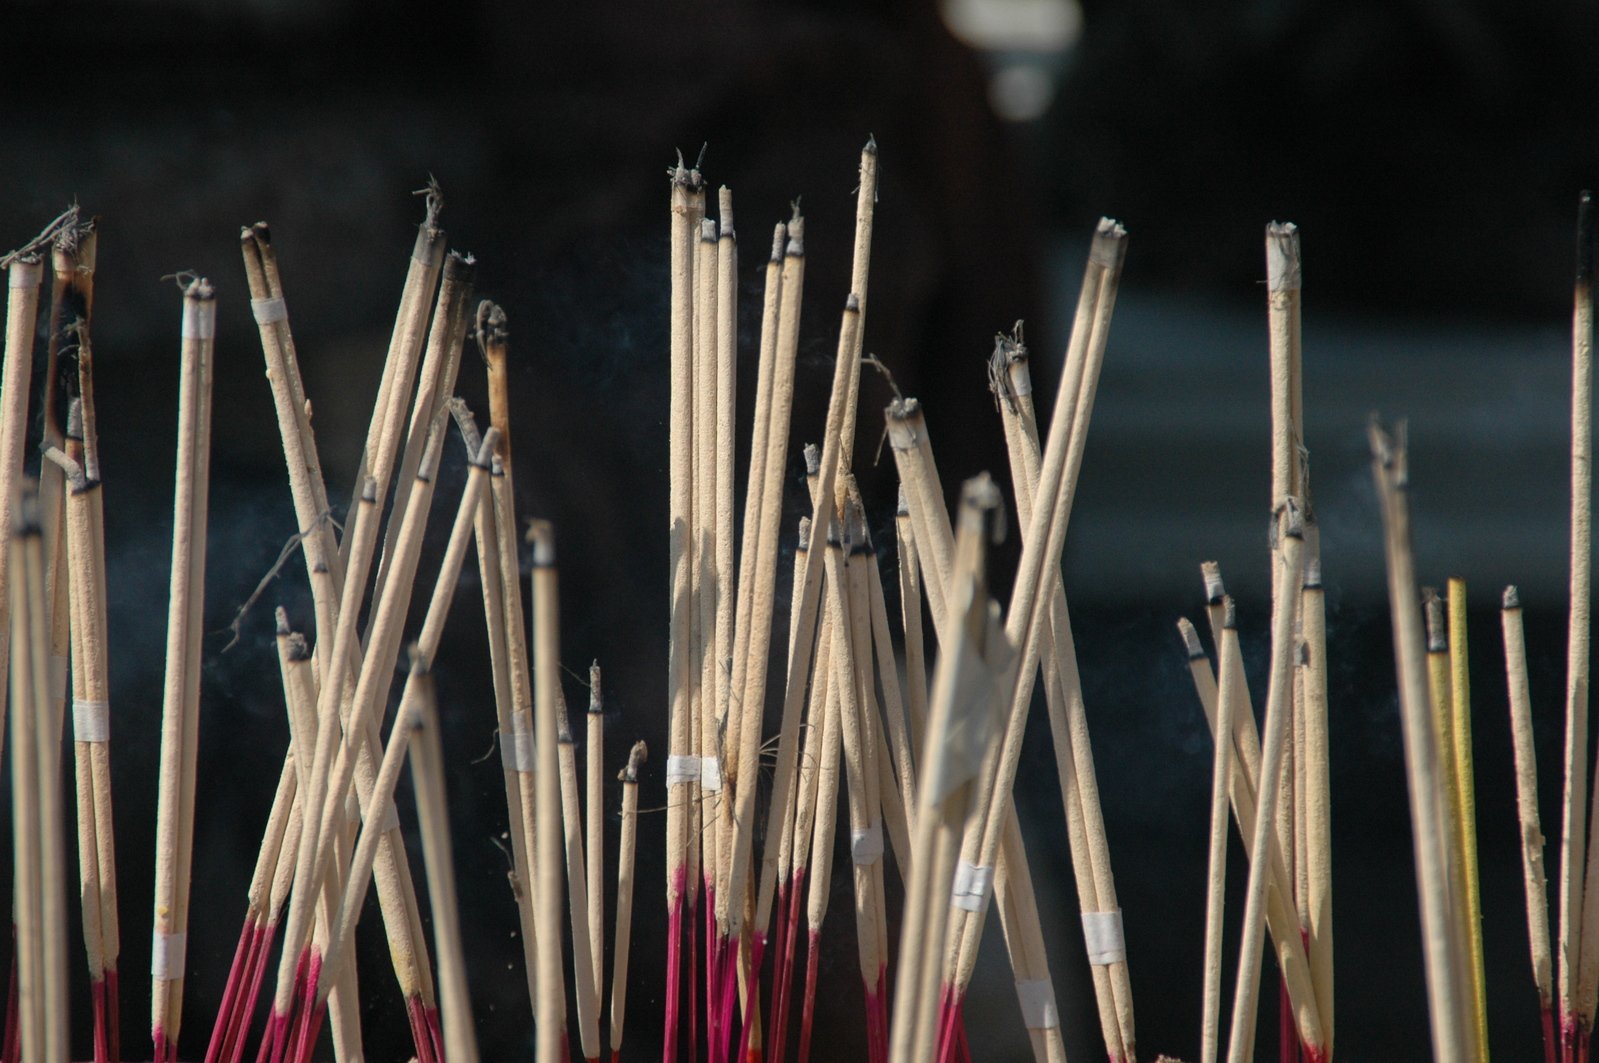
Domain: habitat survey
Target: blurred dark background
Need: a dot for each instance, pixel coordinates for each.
(1431, 153)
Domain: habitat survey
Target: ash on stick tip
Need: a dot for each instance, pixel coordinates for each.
(280, 616)
(299, 648)
(369, 491)
(981, 494)
(1584, 236)
(796, 233)
(804, 535)
(635, 758)
(541, 534)
(708, 230)
(684, 177)
(1432, 605)
(1512, 598)
(1302, 654)
(1282, 257)
(1190, 639)
(1293, 518)
(1229, 612)
(904, 408)
(813, 460)
(1215, 590)
(856, 539)
(460, 266)
(596, 698)
(1108, 248)
(903, 507)
(724, 210)
(779, 238)
(433, 202)
(852, 304)
(196, 287)
(871, 145)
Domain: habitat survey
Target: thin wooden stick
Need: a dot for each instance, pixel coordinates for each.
(547, 687)
(1466, 806)
(577, 891)
(626, 855)
(427, 770)
(181, 708)
(824, 829)
(860, 273)
(1318, 785)
(1446, 997)
(1240, 1046)
(720, 638)
(1221, 778)
(594, 824)
(1573, 827)
(23, 275)
(960, 733)
(1532, 839)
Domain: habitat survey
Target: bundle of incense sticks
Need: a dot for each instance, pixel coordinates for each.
(917, 751)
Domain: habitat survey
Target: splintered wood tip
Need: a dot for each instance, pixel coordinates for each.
(1512, 598)
(1432, 605)
(635, 758)
(1109, 245)
(596, 698)
(1191, 644)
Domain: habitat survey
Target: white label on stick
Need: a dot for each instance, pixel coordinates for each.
(199, 319)
(91, 721)
(23, 274)
(267, 311)
(1102, 933)
(710, 774)
(866, 846)
(972, 884)
(516, 750)
(166, 956)
(1037, 998)
(681, 769)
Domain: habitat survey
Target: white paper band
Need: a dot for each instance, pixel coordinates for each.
(972, 884)
(1021, 382)
(516, 750)
(1037, 998)
(866, 846)
(91, 721)
(682, 769)
(166, 956)
(710, 774)
(24, 274)
(1102, 933)
(267, 311)
(199, 319)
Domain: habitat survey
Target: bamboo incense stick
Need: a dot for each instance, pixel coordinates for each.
(860, 273)
(594, 825)
(181, 708)
(681, 617)
(1273, 748)
(1447, 999)
(725, 393)
(546, 680)
(824, 828)
(427, 769)
(1318, 779)
(1573, 827)
(577, 891)
(704, 737)
(626, 855)
(910, 599)
(1221, 777)
(1532, 839)
(960, 732)
(23, 274)
(1466, 805)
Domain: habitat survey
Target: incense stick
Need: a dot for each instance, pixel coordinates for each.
(1447, 1004)
(546, 679)
(626, 855)
(594, 824)
(1318, 780)
(1466, 806)
(577, 891)
(1221, 776)
(1532, 839)
(23, 274)
(181, 708)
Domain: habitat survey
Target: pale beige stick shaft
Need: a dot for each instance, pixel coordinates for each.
(1024, 940)
(427, 770)
(324, 567)
(546, 682)
(1318, 782)
(703, 848)
(725, 362)
(100, 753)
(1573, 827)
(515, 735)
(1532, 839)
(1281, 919)
(594, 825)
(961, 729)
(441, 363)
(763, 605)
(1274, 745)
(860, 273)
(1216, 884)
(41, 923)
(181, 698)
(400, 364)
(681, 543)
(910, 607)
(754, 491)
(791, 854)
(897, 732)
(1063, 687)
(824, 819)
(22, 311)
(799, 666)
(577, 889)
(1446, 996)
(626, 855)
